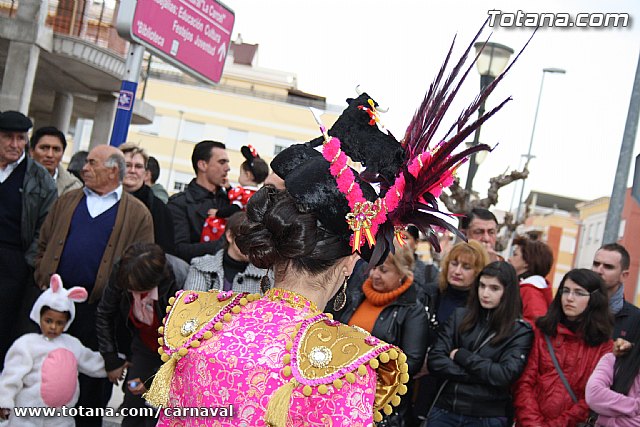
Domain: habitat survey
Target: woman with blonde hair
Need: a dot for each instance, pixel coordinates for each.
(458, 272)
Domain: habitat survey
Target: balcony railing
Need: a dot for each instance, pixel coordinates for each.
(90, 20)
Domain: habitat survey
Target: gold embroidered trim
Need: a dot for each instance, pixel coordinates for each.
(293, 299)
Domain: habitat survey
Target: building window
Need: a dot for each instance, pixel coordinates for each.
(236, 139)
(180, 181)
(280, 144)
(153, 128)
(191, 131)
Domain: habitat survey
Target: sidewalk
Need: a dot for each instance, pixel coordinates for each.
(116, 400)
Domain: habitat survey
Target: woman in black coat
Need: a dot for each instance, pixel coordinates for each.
(481, 352)
(127, 321)
(385, 304)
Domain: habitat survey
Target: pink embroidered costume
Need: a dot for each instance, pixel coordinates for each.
(239, 350)
(43, 372)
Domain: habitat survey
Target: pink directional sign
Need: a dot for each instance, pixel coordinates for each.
(194, 35)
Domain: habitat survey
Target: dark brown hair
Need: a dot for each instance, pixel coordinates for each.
(142, 267)
(595, 324)
(503, 317)
(537, 254)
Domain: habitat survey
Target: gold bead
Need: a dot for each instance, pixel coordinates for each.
(362, 370)
(160, 341)
(402, 358)
(377, 416)
(387, 409)
(350, 377)
(161, 330)
(168, 309)
(288, 346)
(164, 357)
(402, 389)
(243, 301)
(393, 354)
(217, 326)
(160, 351)
(404, 368)
(384, 357)
(286, 371)
(337, 383)
(195, 343)
(227, 317)
(207, 335)
(172, 300)
(374, 363)
(306, 390)
(322, 389)
(250, 298)
(329, 316)
(183, 352)
(404, 378)
(395, 400)
(235, 309)
(286, 359)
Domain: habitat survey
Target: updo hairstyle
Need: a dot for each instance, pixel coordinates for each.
(277, 234)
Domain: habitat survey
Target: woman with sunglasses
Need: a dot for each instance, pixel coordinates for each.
(576, 333)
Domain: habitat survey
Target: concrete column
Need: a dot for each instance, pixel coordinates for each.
(103, 120)
(19, 75)
(40, 119)
(22, 58)
(62, 109)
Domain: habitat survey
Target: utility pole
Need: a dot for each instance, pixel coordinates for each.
(612, 225)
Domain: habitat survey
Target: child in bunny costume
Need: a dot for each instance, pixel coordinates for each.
(41, 370)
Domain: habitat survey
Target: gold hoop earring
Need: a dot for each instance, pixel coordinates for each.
(341, 297)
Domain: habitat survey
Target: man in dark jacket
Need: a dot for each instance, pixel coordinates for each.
(203, 197)
(27, 191)
(612, 263)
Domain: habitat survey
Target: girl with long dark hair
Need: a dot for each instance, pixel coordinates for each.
(576, 332)
(613, 390)
(481, 352)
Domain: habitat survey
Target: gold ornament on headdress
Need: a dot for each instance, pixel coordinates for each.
(359, 221)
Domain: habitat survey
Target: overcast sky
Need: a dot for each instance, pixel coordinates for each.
(393, 49)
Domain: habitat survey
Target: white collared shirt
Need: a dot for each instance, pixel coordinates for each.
(4, 173)
(55, 175)
(97, 204)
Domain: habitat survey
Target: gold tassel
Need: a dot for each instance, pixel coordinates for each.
(158, 394)
(278, 407)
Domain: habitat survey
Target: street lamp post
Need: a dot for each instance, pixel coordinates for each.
(528, 156)
(493, 59)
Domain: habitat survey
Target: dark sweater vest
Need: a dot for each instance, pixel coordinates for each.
(11, 208)
(85, 245)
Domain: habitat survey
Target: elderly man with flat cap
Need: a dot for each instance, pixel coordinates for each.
(27, 191)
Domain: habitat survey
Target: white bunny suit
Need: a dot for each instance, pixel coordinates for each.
(43, 372)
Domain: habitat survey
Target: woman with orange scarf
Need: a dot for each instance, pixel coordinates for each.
(386, 306)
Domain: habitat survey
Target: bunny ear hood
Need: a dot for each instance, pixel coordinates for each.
(60, 299)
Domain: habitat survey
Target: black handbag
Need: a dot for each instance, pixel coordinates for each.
(591, 419)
